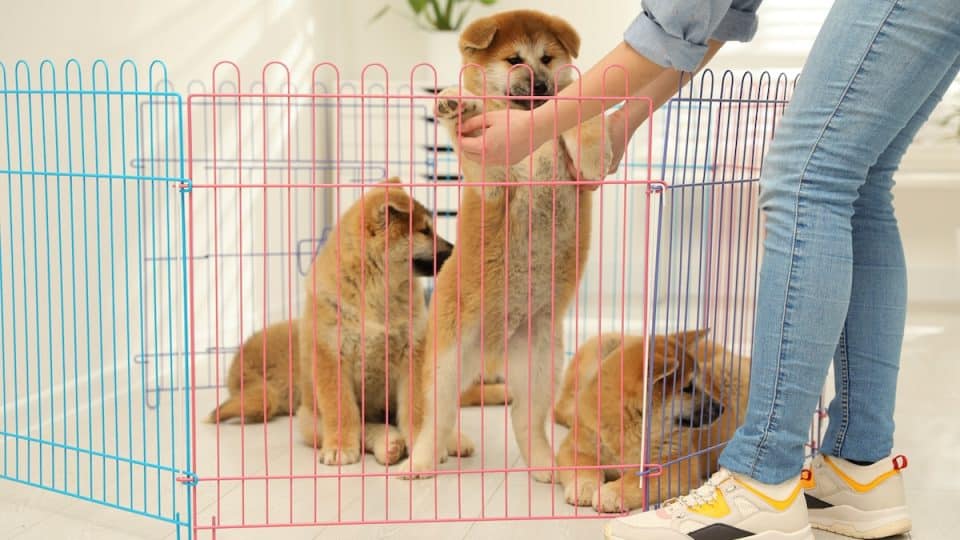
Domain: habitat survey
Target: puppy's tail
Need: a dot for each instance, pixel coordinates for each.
(251, 410)
(485, 393)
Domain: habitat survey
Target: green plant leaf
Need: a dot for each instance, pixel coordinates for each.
(488, 2)
(440, 20)
(417, 5)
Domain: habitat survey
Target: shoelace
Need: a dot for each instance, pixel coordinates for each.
(704, 494)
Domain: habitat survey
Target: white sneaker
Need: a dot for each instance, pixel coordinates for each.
(856, 500)
(727, 507)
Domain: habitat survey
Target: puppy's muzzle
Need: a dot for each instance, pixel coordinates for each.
(424, 266)
(525, 96)
(707, 413)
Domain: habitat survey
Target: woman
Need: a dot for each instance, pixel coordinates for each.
(833, 278)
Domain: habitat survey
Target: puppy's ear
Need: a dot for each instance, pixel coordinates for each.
(686, 343)
(673, 352)
(664, 362)
(566, 35)
(478, 35)
(394, 207)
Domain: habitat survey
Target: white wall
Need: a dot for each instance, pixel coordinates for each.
(190, 36)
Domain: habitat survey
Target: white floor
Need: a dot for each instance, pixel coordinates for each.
(928, 433)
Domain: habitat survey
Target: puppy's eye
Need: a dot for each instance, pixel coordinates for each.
(546, 58)
(514, 60)
(689, 389)
(425, 231)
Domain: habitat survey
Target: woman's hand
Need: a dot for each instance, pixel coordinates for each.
(497, 141)
(498, 137)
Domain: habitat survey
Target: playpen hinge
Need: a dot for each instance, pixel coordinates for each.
(650, 470)
(188, 478)
(185, 186)
(656, 186)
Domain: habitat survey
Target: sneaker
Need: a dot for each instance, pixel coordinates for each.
(727, 507)
(862, 501)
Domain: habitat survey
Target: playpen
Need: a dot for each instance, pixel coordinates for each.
(149, 232)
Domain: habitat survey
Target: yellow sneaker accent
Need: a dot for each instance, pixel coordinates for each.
(717, 508)
(780, 506)
(857, 486)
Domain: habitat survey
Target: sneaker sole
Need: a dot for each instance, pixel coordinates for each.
(805, 533)
(850, 521)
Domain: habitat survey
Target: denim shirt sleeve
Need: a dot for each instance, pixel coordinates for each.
(674, 33)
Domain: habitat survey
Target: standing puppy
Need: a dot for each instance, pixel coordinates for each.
(520, 249)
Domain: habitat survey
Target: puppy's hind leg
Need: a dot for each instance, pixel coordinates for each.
(437, 437)
(530, 373)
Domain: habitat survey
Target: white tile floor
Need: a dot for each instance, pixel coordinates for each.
(927, 431)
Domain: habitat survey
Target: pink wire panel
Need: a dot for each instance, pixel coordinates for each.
(672, 246)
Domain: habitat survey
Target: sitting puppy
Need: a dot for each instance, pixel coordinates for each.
(363, 321)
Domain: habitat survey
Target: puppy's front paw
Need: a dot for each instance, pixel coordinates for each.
(608, 499)
(543, 476)
(450, 104)
(389, 452)
(339, 456)
(580, 493)
(462, 447)
(447, 108)
(591, 158)
(595, 161)
(543, 463)
(416, 471)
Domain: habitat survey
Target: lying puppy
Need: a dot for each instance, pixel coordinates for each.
(696, 400)
(520, 246)
(364, 319)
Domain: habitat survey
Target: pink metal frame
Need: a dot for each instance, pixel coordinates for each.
(220, 198)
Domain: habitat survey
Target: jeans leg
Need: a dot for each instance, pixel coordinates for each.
(868, 357)
(873, 66)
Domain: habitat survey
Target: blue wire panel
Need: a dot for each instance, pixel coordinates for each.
(92, 186)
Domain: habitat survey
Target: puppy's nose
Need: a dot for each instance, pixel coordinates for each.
(443, 253)
(716, 409)
(540, 88)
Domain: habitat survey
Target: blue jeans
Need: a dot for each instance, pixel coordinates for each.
(833, 278)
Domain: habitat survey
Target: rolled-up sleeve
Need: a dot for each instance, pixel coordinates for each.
(740, 22)
(674, 33)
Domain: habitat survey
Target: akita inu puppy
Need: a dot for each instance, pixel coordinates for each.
(520, 249)
(697, 397)
(364, 319)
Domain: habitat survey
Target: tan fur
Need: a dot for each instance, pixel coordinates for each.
(380, 308)
(488, 389)
(267, 380)
(688, 373)
(510, 258)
